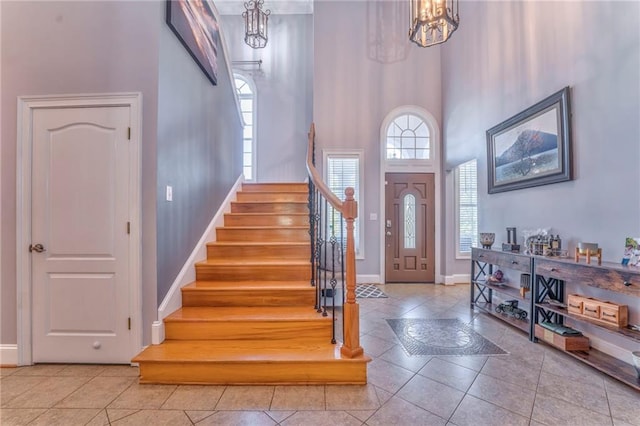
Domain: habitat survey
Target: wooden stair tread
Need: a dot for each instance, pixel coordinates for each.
(249, 214)
(265, 227)
(269, 202)
(254, 262)
(240, 351)
(260, 243)
(266, 186)
(248, 285)
(247, 313)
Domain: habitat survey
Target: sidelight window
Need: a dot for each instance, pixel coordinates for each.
(466, 183)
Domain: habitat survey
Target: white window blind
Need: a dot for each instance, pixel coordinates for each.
(343, 171)
(467, 202)
(246, 97)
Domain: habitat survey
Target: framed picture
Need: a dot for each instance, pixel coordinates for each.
(197, 29)
(532, 148)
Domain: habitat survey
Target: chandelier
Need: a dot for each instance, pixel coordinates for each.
(432, 21)
(255, 24)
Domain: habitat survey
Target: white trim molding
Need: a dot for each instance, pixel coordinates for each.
(8, 355)
(26, 107)
(457, 279)
(368, 279)
(432, 165)
(173, 300)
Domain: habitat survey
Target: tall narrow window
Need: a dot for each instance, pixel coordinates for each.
(343, 171)
(246, 95)
(466, 176)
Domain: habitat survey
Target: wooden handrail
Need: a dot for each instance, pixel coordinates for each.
(315, 177)
(349, 208)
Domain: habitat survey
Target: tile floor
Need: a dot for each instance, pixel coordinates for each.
(532, 385)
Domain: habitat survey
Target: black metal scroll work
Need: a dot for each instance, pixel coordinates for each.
(326, 246)
(484, 270)
(545, 290)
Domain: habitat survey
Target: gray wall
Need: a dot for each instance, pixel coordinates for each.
(78, 47)
(490, 78)
(199, 153)
(191, 131)
(593, 47)
(364, 67)
(284, 88)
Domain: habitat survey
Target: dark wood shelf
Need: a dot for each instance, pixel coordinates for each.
(620, 331)
(607, 364)
(511, 291)
(489, 308)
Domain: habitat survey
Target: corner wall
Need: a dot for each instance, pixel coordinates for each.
(364, 67)
(491, 78)
(69, 48)
(505, 57)
(284, 87)
(199, 152)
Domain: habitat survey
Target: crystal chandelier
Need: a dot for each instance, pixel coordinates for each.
(432, 21)
(255, 24)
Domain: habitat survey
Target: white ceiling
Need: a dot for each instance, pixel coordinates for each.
(277, 7)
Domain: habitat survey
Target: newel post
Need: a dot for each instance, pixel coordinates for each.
(351, 310)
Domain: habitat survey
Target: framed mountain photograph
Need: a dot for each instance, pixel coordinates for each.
(533, 147)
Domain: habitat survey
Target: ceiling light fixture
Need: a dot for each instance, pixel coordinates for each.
(432, 21)
(255, 24)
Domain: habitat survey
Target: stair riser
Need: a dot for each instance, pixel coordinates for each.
(243, 273)
(255, 373)
(274, 187)
(248, 298)
(272, 196)
(269, 208)
(251, 235)
(239, 219)
(247, 330)
(221, 251)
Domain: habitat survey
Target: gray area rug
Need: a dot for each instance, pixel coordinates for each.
(441, 337)
(368, 291)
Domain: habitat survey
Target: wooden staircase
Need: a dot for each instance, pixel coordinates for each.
(249, 317)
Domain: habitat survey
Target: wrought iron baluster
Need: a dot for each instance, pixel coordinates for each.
(319, 243)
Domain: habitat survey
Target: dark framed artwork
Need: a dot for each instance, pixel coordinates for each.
(197, 29)
(533, 147)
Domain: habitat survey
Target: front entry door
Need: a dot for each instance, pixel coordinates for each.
(80, 192)
(410, 227)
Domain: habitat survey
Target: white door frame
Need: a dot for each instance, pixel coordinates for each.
(433, 165)
(26, 107)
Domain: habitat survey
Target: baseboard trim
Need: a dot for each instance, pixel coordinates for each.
(173, 300)
(8, 355)
(361, 279)
(457, 279)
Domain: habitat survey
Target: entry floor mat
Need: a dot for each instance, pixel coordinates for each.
(441, 337)
(368, 291)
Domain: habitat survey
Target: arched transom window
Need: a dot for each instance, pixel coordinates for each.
(408, 138)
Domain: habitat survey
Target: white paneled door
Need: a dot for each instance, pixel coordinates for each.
(80, 244)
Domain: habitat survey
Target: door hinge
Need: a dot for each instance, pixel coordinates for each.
(129, 323)
(128, 227)
(129, 133)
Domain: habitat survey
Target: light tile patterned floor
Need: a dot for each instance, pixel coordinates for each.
(532, 385)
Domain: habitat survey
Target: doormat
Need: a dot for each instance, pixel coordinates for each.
(441, 337)
(364, 291)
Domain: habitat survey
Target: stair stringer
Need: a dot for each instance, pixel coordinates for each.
(173, 300)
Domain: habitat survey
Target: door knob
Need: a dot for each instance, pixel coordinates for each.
(38, 248)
